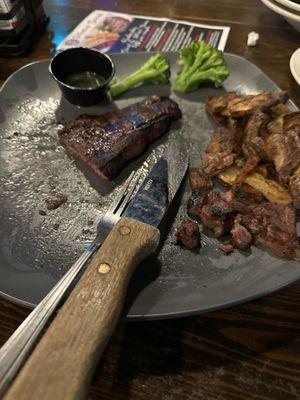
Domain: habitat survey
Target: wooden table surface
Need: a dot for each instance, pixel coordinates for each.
(250, 351)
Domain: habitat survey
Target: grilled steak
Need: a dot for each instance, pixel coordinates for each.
(227, 247)
(188, 234)
(200, 185)
(273, 226)
(241, 237)
(109, 141)
(217, 213)
(244, 202)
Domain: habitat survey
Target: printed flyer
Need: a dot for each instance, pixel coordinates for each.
(115, 32)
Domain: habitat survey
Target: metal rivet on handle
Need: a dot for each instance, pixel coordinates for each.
(104, 268)
(124, 230)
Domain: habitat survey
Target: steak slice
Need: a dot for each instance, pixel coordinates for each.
(227, 247)
(241, 237)
(188, 234)
(217, 213)
(244, 202)
(273, 226)
(200, 185)
(107, 142)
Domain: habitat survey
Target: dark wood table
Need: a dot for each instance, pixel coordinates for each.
(250, 351)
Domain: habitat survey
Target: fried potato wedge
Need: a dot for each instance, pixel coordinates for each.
(262, 169)
(297, 170)
(285, 124)
(272, 191)
(250, 104)
(254, 124)
(280, 109)
(230, 174)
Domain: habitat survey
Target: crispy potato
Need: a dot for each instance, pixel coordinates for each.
(276, 126)
(232, 101)
(230, 174)
(222, 140)
(262, 169)
(248, 189)
(285, 124)
(294, 186)
(261, 101)
(280, 109)
(297, 170)
(240, 163)
(272, 190)
(215, 105)
(254, 125)
(284, 151)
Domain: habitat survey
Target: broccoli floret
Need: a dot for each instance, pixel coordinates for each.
(200, 63)
(156, 70)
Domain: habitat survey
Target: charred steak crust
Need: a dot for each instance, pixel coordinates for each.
(273, 226)
(107, 142)
(188, 234)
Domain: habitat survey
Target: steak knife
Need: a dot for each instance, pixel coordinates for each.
(62, 363)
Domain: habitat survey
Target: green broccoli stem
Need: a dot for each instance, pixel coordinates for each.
(131, 81)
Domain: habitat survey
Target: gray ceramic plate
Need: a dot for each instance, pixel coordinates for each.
(36, 250)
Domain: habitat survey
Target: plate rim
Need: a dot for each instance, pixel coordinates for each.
(173, 314)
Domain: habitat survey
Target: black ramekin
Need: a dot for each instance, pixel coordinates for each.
(81, 59)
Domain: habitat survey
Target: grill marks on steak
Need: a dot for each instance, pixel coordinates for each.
(109, 141)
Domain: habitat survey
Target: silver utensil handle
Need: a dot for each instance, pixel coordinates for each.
(14, 351)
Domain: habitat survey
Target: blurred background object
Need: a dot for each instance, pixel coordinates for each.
(21, 22)
(295, 65)
(289, 9)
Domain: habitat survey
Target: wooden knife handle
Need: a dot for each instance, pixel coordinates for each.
(62, 363)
